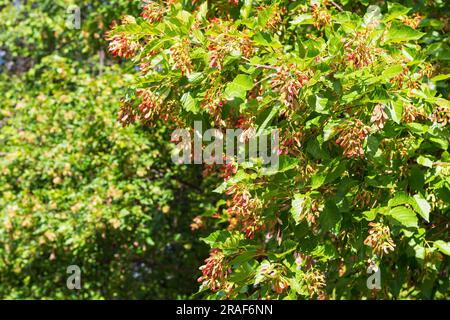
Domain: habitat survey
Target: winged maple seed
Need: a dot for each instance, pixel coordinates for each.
(214, 271)
(288, 81)
(379, 116)
(121, 45)
(379, 239)
(321, 16)
(244, 211)
(180, 55)
(351, 136)
(152, 11)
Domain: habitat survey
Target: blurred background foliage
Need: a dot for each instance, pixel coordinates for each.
(75, 187)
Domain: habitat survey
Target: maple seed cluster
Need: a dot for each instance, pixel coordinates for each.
(413, 21)
(410, 113)
(320, 16)
(121, 46)
(288, 83)
(149, 103)
(379, 239)
(274, 274)
(361, 54)
(379, 116)
(213, 271)
(441, 115)
(223, 44)
(243, 210)
(180, 55)
(351, 138)
(197, 223)
(275, 17)
(315, 283)
(127, 114)
(152, 12)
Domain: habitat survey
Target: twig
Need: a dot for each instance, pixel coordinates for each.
(337, 6)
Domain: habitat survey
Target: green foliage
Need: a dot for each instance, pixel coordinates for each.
(75, 187)
(359, 94)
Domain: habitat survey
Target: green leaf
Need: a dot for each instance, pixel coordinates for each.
(371, 214)
(401, 33)
(244, 257)
(329, 131)
(319, 104)
(405, 216)
(443, 246)
(373, 14)
(303, 18)
(189, 103)
(422, 207)
(287, 163)
(330, 218)
(239, 87)
(318, 179)
(391, 72)
(440, 77)
(424, 161)
(246, 9)
(399, 199)
(216, 238)
(395, 10)
(299, 203)
(395, 111)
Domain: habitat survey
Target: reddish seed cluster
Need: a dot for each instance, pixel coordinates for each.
(149, 107)
(127, 114)
(224, 41)
(223, 44)
(288, 81)
(152, 12)
(427, 69)
(275, 16)
(274, 274)
(146, 63)
(229, 169)
(216, 56)
(180, 55)
(362, 199)
(413, 21)
(359, 53)
(149, 104)
(315, 282)
(441, 115)
(197, 223)
(399, 79)
(351, 138)
(410, 113)
(320, 16)
(213, 271)
(213, 101)
(291, 143)
(379, 239)
(243, 210)
(379, 116)
(120, 46)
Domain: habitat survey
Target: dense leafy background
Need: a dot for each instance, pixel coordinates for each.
(75, 187)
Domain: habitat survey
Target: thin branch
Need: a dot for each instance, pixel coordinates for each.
(337, 6)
